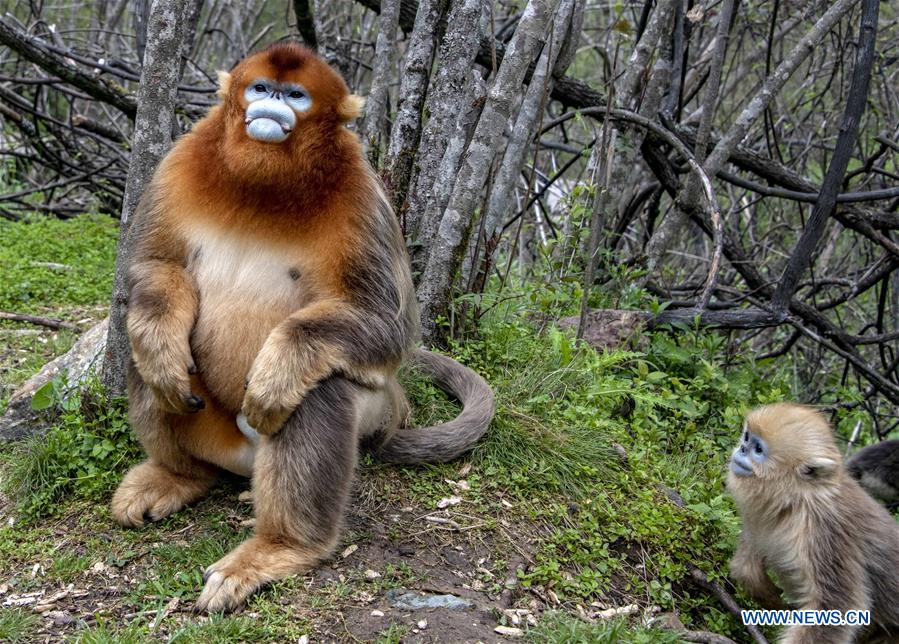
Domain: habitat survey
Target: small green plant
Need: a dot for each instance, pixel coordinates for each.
(82, 454)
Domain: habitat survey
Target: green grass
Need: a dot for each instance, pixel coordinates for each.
(59, 269)
(81, 456)
(84, 249)
(17, 625)
(558, 628)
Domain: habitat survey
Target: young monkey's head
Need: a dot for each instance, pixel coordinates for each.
(783, 449)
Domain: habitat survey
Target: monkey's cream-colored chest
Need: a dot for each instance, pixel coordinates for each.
(246, 287)
(244, 268)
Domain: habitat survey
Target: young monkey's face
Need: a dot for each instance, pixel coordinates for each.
(750, 454)
(783, 448)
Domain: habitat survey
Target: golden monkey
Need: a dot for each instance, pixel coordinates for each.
(831, 546)
(270, 308)
(876, 468)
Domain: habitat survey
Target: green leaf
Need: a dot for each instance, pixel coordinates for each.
(43, 397)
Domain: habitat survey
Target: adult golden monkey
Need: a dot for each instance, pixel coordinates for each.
(832, 547)
(270, 308)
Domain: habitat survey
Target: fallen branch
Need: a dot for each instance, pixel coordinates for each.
(40, 321)
(727, 600)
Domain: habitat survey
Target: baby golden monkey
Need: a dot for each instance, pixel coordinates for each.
(270, 308)
(831, 546)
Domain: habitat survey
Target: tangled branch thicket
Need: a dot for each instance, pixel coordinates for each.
(738, 162)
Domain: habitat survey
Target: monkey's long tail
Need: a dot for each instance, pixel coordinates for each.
(449, 440)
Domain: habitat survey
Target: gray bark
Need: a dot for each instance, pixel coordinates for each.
(472, 102)
(457, 53)
(141, 17)
(525, 124)
(152, 138)
(773, 84)
(612, 162)
(443, 262)
(413, 89)
(663, 235)
(378, 96)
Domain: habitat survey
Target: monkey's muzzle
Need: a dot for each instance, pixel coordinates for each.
(269, 120)
(740, 465)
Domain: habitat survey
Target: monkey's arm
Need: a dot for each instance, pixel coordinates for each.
(322, 339)
(748, 568)
(162, 309)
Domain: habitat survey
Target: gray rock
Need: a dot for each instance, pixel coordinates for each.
(410, 600)
(20, 420)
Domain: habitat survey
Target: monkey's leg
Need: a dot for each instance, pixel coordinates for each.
(170, 478)
(301, 480)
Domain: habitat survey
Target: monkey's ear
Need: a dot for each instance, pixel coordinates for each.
(350, 108)
(224, 84)
(818, 468)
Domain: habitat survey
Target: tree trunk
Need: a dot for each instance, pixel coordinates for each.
(152, 138)
(445, 102)
(413, 89)
(379, 95)
(452, 234)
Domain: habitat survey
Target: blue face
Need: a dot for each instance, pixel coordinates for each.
(272, 113)
(751, 451)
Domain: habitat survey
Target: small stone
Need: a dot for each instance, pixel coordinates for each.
(508, 631)
(60, 617)
(377, 613)
(422, 624)
(304, 639)
(371, 575)
(349, 550)
(449, 501)
(246, 496)
(98, 567)
(465, 469)
(668, 621)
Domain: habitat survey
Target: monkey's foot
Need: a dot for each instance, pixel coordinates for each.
(152, 491)
(254, 563)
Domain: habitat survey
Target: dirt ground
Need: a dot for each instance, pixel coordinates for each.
(401, 572)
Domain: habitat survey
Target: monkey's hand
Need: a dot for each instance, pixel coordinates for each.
(276, 384)
(308, 347)
(166, 371)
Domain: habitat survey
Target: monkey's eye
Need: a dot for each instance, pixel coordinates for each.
(259, 87)
(759, 449)
(296, 94)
